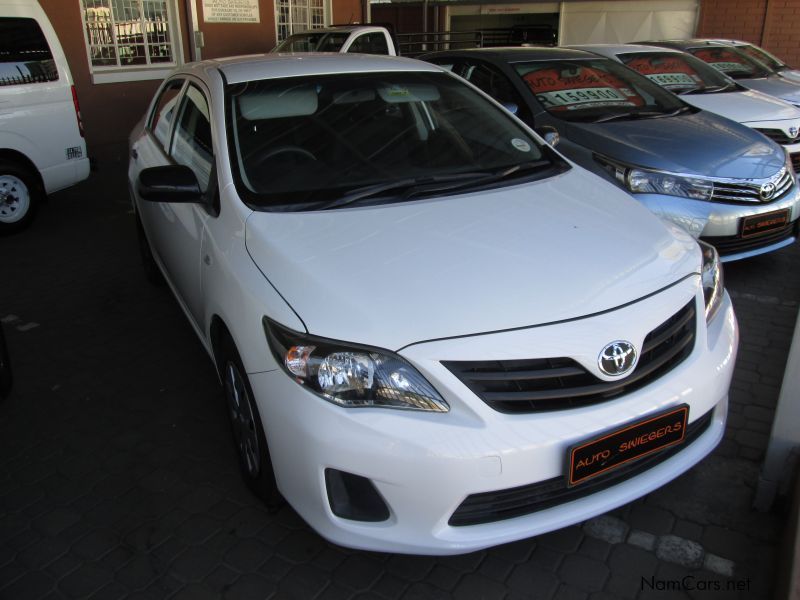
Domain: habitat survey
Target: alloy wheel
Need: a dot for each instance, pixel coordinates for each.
(242, 417)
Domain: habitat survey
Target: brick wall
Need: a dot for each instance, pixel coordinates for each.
(772, 24)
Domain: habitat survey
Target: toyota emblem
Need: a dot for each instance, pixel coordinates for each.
(793, 131)
(767, 191)
(617, 358)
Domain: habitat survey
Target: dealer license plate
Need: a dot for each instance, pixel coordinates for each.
(766, 222)
(636, 440)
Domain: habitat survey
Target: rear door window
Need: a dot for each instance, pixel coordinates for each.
(25, 56)
(192, 145)
(370, 43)
(164, 112)
(492, 81)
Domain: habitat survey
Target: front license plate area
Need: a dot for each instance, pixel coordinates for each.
(611, 450)
(758, 224)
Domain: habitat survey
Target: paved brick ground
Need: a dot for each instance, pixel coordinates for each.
(118, 478)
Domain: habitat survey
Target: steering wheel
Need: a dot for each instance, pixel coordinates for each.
(287, 150)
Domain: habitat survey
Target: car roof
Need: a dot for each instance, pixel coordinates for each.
(237, 69)
(607, 49)
(344, 28)
(688, 43)
(515, 54)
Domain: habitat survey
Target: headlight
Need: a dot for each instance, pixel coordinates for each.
(350, 375)
(641, 181)
(713, 284)
(645, 181)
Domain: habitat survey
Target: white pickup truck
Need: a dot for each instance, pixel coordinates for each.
(364, 39)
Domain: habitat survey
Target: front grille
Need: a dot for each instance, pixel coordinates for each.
(777, 135)
(744, 191)
(489, 507)
(733, 244)
(795, 161)
(542, 384)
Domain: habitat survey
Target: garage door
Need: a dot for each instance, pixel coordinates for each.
(620, 22)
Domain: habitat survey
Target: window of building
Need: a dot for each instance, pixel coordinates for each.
(292, 16)
(24, 54)
(129, 40)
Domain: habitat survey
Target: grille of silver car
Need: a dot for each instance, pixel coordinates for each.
(795, 161)
(777, 135)
(545, 384)
(748, 192)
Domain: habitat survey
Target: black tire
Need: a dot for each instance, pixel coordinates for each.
(5, 368)
(20, 196)
(248, 433)
(151, 271)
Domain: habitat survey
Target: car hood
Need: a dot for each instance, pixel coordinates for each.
(774, 86)
(700, 144)
(562, 248)
(792, 75)
(745, 106)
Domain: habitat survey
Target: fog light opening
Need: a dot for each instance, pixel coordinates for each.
(354, 497)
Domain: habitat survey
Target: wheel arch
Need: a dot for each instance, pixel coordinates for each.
(21, 159)
(218, 334)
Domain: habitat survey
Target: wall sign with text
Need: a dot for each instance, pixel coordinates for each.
(231, 11)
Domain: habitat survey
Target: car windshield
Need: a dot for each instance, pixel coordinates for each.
(762, 56)
(313, 42)
(595, 90)
(733, 63)
(307, 142)
(680, 73)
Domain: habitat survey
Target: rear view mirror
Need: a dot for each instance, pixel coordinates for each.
(170, 183)
(549, 134)
(511, 107)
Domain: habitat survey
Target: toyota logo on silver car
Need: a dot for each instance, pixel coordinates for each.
(767, 191)
(617, 358)
(793, 131)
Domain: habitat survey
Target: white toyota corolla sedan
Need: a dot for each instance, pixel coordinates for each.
(435, 333)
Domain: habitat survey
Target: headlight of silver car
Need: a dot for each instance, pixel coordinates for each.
(713, 283)
(351, 375)
(643, 181)
(649, 181)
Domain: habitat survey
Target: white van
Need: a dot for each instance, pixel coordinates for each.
(42, 148)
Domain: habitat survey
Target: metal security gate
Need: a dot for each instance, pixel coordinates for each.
(626, 21)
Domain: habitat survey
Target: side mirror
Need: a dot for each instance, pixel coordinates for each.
(511, 107)
(549, 134)
(170, 183)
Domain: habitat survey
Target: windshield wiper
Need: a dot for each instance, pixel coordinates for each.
(413, 186)
(647, 114)
(652, 114)
(710, 90)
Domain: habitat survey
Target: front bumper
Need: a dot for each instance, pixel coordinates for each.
(424, 465)
(718, 221)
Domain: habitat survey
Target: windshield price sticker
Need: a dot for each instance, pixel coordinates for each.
(584, 96)
(668, 80)
(728, 67)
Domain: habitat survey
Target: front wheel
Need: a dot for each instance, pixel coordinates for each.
(20, 194)
(248, 433)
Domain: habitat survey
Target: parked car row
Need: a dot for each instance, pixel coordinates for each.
(718, 179)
